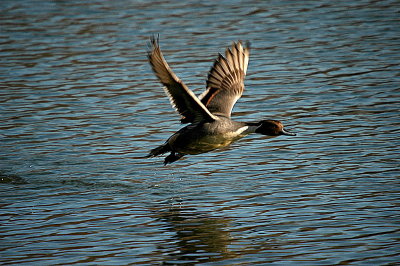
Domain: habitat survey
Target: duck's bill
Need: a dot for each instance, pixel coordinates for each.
(284, 132)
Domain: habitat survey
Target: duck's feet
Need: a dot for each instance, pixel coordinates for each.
(172, 158)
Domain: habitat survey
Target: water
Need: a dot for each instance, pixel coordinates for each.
(80, 108)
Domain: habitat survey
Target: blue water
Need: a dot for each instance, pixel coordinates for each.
(80, 108)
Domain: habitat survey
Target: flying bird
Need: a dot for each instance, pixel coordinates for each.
(209, 115)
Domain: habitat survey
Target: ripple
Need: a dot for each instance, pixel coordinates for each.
(80, 109)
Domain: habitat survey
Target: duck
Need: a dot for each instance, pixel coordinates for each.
(209, 115)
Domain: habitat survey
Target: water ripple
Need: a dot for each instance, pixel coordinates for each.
(80, 109)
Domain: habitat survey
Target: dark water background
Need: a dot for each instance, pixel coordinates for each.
(80, 107)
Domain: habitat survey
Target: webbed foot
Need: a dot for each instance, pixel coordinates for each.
(172, 158)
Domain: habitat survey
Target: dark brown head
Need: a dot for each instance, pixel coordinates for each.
(272, 128)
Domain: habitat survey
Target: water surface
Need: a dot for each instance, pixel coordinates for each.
(80, 108)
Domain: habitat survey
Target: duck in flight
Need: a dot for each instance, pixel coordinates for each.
(209, 114)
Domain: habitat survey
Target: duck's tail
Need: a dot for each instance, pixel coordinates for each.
(159, 150)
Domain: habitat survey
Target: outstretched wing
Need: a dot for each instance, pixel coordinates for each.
(225, 83)
(181, 97)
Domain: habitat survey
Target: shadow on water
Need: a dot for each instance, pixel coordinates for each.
(11, 179)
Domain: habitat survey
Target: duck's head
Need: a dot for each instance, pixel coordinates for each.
(272, 128)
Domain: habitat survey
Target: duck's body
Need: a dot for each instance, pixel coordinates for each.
(206, 136)
(211, 126)
(202, 137)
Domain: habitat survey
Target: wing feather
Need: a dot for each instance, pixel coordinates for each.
(181, 97)
(225, 83)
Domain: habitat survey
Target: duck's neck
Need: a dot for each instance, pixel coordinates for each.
(251, 127)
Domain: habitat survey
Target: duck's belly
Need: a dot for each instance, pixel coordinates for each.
(204, 144)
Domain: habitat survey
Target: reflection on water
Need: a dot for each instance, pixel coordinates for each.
(80, 108)
(198, 237)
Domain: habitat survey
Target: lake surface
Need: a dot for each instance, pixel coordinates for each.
(80, 108)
